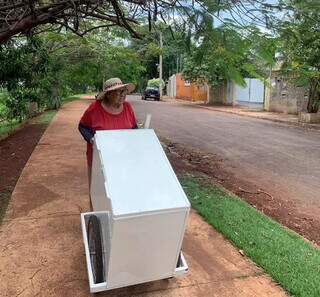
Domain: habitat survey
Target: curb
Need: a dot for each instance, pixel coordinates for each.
(289, 123)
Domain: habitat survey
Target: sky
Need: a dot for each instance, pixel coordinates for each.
(239, 15)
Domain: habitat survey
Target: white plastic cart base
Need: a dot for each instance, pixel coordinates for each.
(104, 221)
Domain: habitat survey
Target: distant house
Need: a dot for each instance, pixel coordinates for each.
(229, 93)
(283, 96)
(181, 89)
(279, 94)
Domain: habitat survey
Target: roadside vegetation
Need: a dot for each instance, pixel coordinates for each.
(291, 261)
(9, 125)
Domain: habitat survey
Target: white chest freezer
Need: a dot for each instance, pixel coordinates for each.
(135, 232)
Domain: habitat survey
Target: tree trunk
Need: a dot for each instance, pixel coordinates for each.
(55, 98)
(314, 96)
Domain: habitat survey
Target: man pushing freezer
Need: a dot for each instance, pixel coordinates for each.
(135, 232)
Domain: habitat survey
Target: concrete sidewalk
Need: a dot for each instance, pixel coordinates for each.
(41, 242)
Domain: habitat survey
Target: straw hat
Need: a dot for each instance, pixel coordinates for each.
(114, 84)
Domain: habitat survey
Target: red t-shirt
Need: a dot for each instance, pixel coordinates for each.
(97, 118)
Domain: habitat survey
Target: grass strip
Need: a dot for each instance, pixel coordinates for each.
(46, 117)
(76, 97)
(282, 253)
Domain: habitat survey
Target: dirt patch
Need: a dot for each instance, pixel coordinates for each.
(285, 212)
(15, 151)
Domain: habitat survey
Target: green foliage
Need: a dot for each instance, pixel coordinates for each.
(223, 53)
(207, 53)
(25, 70)
(148, 51)
(155, 82)
(48, 67)
(300, 39)
(16, 105)
(3, 96)
(90, 61)
(175, 46)
(22, 63)
(6, 128)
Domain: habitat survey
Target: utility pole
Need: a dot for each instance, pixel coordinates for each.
(177, 70)
(160, 65)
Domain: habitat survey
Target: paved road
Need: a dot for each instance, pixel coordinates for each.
(283, 159)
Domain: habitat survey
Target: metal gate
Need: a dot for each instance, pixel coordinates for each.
(252, 94)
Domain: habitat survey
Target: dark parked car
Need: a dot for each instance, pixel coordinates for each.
(151, 92)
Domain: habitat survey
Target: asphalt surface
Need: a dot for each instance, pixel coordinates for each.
(282, 159)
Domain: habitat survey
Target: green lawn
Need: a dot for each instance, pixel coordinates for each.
(46, 117)
(283, 254)
(75, 97)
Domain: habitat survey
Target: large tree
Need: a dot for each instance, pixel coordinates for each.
(81, 17)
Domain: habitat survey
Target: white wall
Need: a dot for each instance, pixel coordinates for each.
(171, 86)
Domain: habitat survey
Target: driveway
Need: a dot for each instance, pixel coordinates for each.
(282, 159)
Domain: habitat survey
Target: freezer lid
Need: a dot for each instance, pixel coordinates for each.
(138, 175)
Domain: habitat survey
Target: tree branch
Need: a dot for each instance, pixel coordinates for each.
(23, 16)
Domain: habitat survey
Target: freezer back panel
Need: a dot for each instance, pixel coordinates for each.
(145, 247)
